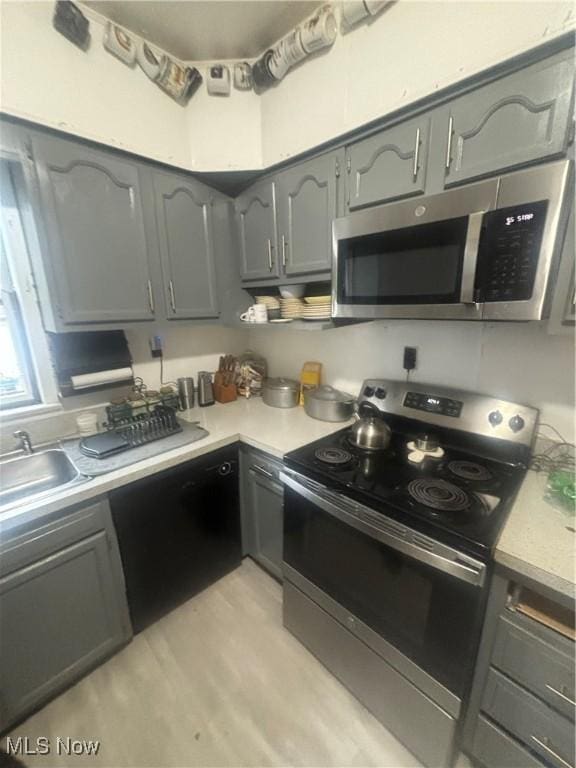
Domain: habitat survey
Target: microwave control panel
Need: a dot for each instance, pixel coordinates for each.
(508, 252)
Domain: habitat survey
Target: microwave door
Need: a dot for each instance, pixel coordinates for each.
(426, 270)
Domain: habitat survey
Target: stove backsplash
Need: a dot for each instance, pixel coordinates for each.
(517, 362)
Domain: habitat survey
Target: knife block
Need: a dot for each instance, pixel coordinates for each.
(223, 393)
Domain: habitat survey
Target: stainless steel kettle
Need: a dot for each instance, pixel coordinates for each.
(370, 432)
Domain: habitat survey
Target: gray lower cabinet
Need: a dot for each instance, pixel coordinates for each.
(262, 499)
(257, 230)
(388, 165)
(308, 199)
(185, 233)
(516, 120)
(522, 704)
(60, 614)
(90, 205)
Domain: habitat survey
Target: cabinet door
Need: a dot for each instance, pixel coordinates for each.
(307, 200)
(92, 211)
(516, 120)
(267, 499)
(391, 164)
(183, 214)
(60, 616)
(256, 214)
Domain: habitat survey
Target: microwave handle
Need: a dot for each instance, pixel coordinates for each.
(471, 257)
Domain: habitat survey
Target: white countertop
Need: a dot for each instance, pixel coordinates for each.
(536, 541)
(273, 430)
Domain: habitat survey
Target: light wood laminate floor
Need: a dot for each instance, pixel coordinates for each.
(217, 682)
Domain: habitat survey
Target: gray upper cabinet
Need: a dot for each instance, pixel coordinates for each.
(184, 220)
(391, 164)
(518, 119)
(307, 202)
(91, 208)
(562, 312)
(256, 215)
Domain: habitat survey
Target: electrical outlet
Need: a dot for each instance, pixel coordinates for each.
(410, 355)
(156, 346)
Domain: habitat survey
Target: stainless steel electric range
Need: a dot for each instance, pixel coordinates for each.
(387, 554)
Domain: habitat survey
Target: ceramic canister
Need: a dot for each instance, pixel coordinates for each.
(319, 31)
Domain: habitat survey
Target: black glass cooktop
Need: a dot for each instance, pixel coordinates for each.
(460, 498)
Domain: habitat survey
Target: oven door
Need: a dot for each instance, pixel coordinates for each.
(422, 597)
(411, 259)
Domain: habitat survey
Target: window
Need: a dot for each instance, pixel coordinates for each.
(26, 377)
(17, 378)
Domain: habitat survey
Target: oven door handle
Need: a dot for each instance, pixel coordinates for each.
(449, 561)
(470, 260)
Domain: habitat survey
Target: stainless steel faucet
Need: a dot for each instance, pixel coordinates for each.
(25, 441)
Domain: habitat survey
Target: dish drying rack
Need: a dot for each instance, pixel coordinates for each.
(147, 427)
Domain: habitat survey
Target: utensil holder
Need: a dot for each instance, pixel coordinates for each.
(224, 393)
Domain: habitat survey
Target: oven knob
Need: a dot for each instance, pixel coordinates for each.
(368, 391)
(516, 423)
(380, 393)
(495, 418)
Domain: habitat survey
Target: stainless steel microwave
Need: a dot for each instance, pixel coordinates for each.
(484, 251)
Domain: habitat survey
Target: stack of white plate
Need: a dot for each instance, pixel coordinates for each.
(291, 308)
(271, 302)
(317, 308)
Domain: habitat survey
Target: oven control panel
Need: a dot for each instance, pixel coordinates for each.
(422, 401)
(454, 408)
(508, 252)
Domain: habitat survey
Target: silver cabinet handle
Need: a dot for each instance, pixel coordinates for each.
(550, 751)
(172, 299)
(150, 297)
(561, 694)
(449, 145)
(284, 244)
(261, 471)
(269, 254)
(416, 153)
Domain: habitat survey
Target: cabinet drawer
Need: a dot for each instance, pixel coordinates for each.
(36, 539)
(495, 749)
(542, 661)
(542, 729)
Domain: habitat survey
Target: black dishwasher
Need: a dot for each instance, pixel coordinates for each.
(178, 532)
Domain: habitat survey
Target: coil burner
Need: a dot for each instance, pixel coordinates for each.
(439, 494)
(470, 470)
(333, 456)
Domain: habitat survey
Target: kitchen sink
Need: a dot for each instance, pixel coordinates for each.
(25, 478)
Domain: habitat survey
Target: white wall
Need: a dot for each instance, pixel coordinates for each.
(412, 49)
(519, 362)
(224, 132)
(47, 79)
(187, 350)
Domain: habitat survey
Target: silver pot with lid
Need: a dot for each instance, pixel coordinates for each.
(370, 432)
(329, 404)
(280, 392)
